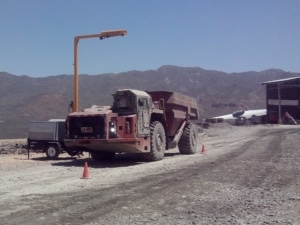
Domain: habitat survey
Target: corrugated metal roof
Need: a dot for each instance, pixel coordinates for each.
(281, 80)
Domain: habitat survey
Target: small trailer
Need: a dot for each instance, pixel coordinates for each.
(48, 136)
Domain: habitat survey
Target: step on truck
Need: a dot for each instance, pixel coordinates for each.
(138, 122)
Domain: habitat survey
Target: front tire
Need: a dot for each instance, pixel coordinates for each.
(52, 151)
(157, 142)
(188, 142)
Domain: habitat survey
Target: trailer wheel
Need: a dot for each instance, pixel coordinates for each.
(188, 142)
(52, 151)
(157, 142)
(100, 156)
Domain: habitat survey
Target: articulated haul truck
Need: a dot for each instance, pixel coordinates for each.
(137, 122)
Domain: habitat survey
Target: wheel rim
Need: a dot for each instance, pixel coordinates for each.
(159, 142)
(51, 151)
(193, 139)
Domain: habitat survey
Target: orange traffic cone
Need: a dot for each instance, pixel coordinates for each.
(86, 174)
(203, 149)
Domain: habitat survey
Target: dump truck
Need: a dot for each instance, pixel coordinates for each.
(146, 122)
(48, 136)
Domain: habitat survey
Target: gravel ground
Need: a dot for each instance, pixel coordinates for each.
(247, 175)
(13, 147)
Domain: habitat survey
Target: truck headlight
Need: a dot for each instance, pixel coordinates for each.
(112, 127)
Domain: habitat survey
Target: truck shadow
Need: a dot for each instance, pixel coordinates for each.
(121, 160)
(44, 158)
(97, 164)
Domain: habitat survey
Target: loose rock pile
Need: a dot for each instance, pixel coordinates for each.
(219, 129)
(13, 147)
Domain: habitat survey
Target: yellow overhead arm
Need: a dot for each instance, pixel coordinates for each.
(102, 35)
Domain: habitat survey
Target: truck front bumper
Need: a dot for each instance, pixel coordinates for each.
(120, 145)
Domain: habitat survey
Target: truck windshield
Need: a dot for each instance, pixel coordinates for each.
(123, 102)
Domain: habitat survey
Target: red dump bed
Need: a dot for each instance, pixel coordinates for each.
(178, 107)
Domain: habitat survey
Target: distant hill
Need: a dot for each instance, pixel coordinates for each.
(23, 98)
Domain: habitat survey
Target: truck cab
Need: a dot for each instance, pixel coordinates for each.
(134, 102)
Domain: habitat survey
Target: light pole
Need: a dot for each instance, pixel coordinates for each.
(102, 35)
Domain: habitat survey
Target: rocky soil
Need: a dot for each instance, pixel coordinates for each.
(13, 147)
(247, 175)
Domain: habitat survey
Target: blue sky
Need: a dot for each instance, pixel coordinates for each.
(225, 35)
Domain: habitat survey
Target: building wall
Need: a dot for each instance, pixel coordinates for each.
(290, 100)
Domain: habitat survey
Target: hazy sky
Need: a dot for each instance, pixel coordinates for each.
(226, 35)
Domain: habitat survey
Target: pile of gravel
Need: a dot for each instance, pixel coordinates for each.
(13, 147)
(218, 129)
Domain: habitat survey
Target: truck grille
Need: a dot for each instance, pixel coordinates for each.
(87, 127)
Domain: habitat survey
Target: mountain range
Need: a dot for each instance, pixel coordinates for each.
(24, 99)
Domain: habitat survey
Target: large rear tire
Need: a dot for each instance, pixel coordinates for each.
(52, 151)
(188, 142)
(157, 142)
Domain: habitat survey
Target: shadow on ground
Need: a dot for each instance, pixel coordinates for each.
(120, 160)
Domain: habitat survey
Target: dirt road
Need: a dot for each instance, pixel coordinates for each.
(248, 175)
